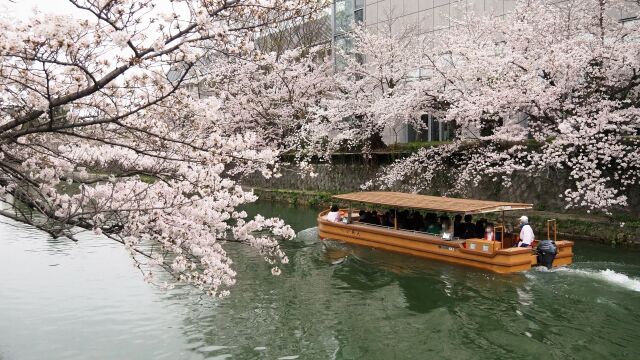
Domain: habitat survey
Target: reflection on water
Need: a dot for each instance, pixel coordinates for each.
(65, 300)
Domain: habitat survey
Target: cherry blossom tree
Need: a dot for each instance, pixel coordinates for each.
(274, 93)
(93, 135)
(374, 85)
(547, 87)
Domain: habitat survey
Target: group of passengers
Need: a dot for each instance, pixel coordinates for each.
(430, 223)
(373, 218)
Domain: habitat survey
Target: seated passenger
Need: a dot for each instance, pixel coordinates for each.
(411, 221)
(334, 214)
(488, 233)
(481, 226)
(429, 220)
(458, 226)
(496, 236)
(447, 231)
(387, 219)
(362, 216)
(469, 227)
(375, 220)
(368, 217)
(403, 219)
(434, 229)
(418, 221)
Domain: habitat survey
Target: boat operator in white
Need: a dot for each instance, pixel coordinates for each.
(526, 233)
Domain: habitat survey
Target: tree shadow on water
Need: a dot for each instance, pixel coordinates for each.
(423, 294)
(355, 274)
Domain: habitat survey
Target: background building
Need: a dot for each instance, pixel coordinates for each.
(426, 17)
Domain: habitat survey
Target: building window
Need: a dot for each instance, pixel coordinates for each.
(433, 130)
(358, 11)
(343, 45)
(343, 15)
(358, 16)
(419, 134)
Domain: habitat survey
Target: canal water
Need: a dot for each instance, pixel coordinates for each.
(66, 300)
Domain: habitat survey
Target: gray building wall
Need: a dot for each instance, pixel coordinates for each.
(427, 15)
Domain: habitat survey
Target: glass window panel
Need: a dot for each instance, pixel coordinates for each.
(359, 4)
(358, 16)
(446, 131)
(424, 131)
(412, 134)
(343, 15)
(435, 130)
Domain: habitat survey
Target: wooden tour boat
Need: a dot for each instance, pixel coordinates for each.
(497, 256)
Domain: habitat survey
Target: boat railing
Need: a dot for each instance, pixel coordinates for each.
(407, 230)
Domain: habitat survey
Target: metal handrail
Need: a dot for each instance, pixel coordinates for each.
(555, 229)
(495, 234)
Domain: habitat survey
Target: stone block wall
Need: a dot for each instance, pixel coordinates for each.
(337, 178)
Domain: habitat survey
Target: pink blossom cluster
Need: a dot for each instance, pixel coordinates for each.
(97, 132)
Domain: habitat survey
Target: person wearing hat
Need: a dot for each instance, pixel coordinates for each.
(526, 233)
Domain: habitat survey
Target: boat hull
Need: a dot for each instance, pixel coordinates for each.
(427, 246)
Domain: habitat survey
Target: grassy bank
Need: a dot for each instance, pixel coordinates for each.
(616, 231)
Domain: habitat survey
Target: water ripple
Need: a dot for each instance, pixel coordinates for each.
(333, 302)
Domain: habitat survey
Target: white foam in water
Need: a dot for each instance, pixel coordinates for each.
(308, 236)
(611, 277)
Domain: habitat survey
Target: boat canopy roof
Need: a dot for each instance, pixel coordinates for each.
(425, 202)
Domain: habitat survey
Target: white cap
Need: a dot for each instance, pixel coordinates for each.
(524, 219)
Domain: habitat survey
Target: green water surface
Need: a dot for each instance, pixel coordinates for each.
(66, 300)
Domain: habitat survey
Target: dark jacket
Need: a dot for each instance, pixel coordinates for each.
(469, 230)
(458, 229)
(547, 247)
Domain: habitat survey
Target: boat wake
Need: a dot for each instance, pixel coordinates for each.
(607, 275)
(308, 236)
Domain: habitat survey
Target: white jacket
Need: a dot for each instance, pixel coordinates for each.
(333, 216)
(526, 235)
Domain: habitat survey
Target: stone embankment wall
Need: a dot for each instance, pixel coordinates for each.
(542, 191)
(339, 178)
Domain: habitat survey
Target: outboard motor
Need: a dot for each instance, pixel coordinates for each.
(547, 251)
